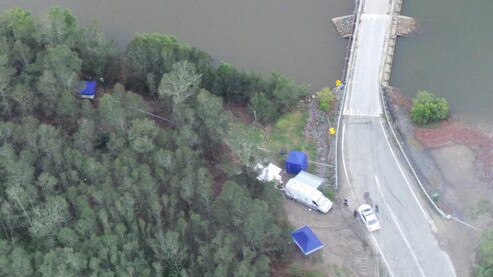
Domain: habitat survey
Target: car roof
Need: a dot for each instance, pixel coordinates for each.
(364, 207)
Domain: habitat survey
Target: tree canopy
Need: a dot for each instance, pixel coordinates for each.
(427, 108)
(102, 189)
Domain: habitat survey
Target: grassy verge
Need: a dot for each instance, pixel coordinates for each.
(287, 134)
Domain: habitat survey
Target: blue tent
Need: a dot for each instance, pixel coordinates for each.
(306, 240)
(88, 89)
(297, 161)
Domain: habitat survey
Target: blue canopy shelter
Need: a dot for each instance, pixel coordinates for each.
(306, 240)
(296, 162)
(88, 89)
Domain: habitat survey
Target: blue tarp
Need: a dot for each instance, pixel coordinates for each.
(306, 240)
(296, 162)
(88, 89)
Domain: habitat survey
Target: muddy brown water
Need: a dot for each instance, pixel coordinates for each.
(451, 55)
(294, 37)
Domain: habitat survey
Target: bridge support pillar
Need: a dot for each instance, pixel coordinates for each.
(344, 25)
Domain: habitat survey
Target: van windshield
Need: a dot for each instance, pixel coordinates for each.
(320, 200)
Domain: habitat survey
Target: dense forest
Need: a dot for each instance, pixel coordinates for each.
(99, 187)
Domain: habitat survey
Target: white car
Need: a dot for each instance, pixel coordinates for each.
(369, 218)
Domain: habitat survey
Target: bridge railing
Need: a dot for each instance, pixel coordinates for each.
(358, 7)
(389, 111)
(400, 139)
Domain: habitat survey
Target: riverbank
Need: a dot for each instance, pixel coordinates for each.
(456, 161)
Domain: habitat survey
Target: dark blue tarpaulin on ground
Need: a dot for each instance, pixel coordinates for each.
(296, 162)
(306, 240)
(88, 89)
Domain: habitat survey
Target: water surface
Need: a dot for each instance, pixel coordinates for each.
(452, 56)
(294, 37)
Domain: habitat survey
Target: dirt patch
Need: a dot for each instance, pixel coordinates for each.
(455, 133)
(346, 250)
(239, 112)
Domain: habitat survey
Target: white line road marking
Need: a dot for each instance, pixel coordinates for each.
(430, 221)
(354, 195)
(405, 239)
(394, 218)
(344, 160)
(381, 254)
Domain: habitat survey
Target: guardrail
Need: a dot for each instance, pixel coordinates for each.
(388, 109)
(399, 139)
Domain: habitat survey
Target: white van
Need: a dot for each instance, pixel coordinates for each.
(307, 195)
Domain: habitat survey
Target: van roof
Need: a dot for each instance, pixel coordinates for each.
(302, 187)
(310, 179)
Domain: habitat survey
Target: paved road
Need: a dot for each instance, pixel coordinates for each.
(406, 240)
(372, 166)
(364, 99)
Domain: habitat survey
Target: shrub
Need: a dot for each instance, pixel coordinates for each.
(326, 98)
(427, 108)
(262, 108)
(485, 255)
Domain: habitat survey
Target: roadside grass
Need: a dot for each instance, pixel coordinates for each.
(287, 134)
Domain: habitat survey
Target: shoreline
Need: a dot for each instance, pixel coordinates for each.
(456, 161)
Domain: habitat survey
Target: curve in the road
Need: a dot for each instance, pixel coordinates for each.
(372, 168)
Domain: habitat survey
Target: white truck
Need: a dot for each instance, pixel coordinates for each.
(307, 195)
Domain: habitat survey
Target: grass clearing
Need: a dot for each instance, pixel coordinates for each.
(287, 134)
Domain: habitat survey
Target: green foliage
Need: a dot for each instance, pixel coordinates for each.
(262, 108)
(97, 188)
(485, 256)
(234, 85)
(57, 27)
(281, 95)
(326, 99)
(289, 133)
(428, 108)
(180, 83)
(99, 54)
(267, 98)
(43, 60)
(149, 56)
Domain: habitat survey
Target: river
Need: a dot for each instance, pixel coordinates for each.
(293, 37)
(451, 55)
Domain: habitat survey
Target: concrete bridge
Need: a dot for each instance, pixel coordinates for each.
(370, 166)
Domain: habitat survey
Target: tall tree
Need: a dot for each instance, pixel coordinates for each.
(98, 53)
(60, 68)
(6, 75)
(18, 28)
(213, 121)
(179, 84)
(147, 58)
(58, 27)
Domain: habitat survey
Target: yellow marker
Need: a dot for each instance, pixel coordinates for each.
(338, 83)
(332, 131)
